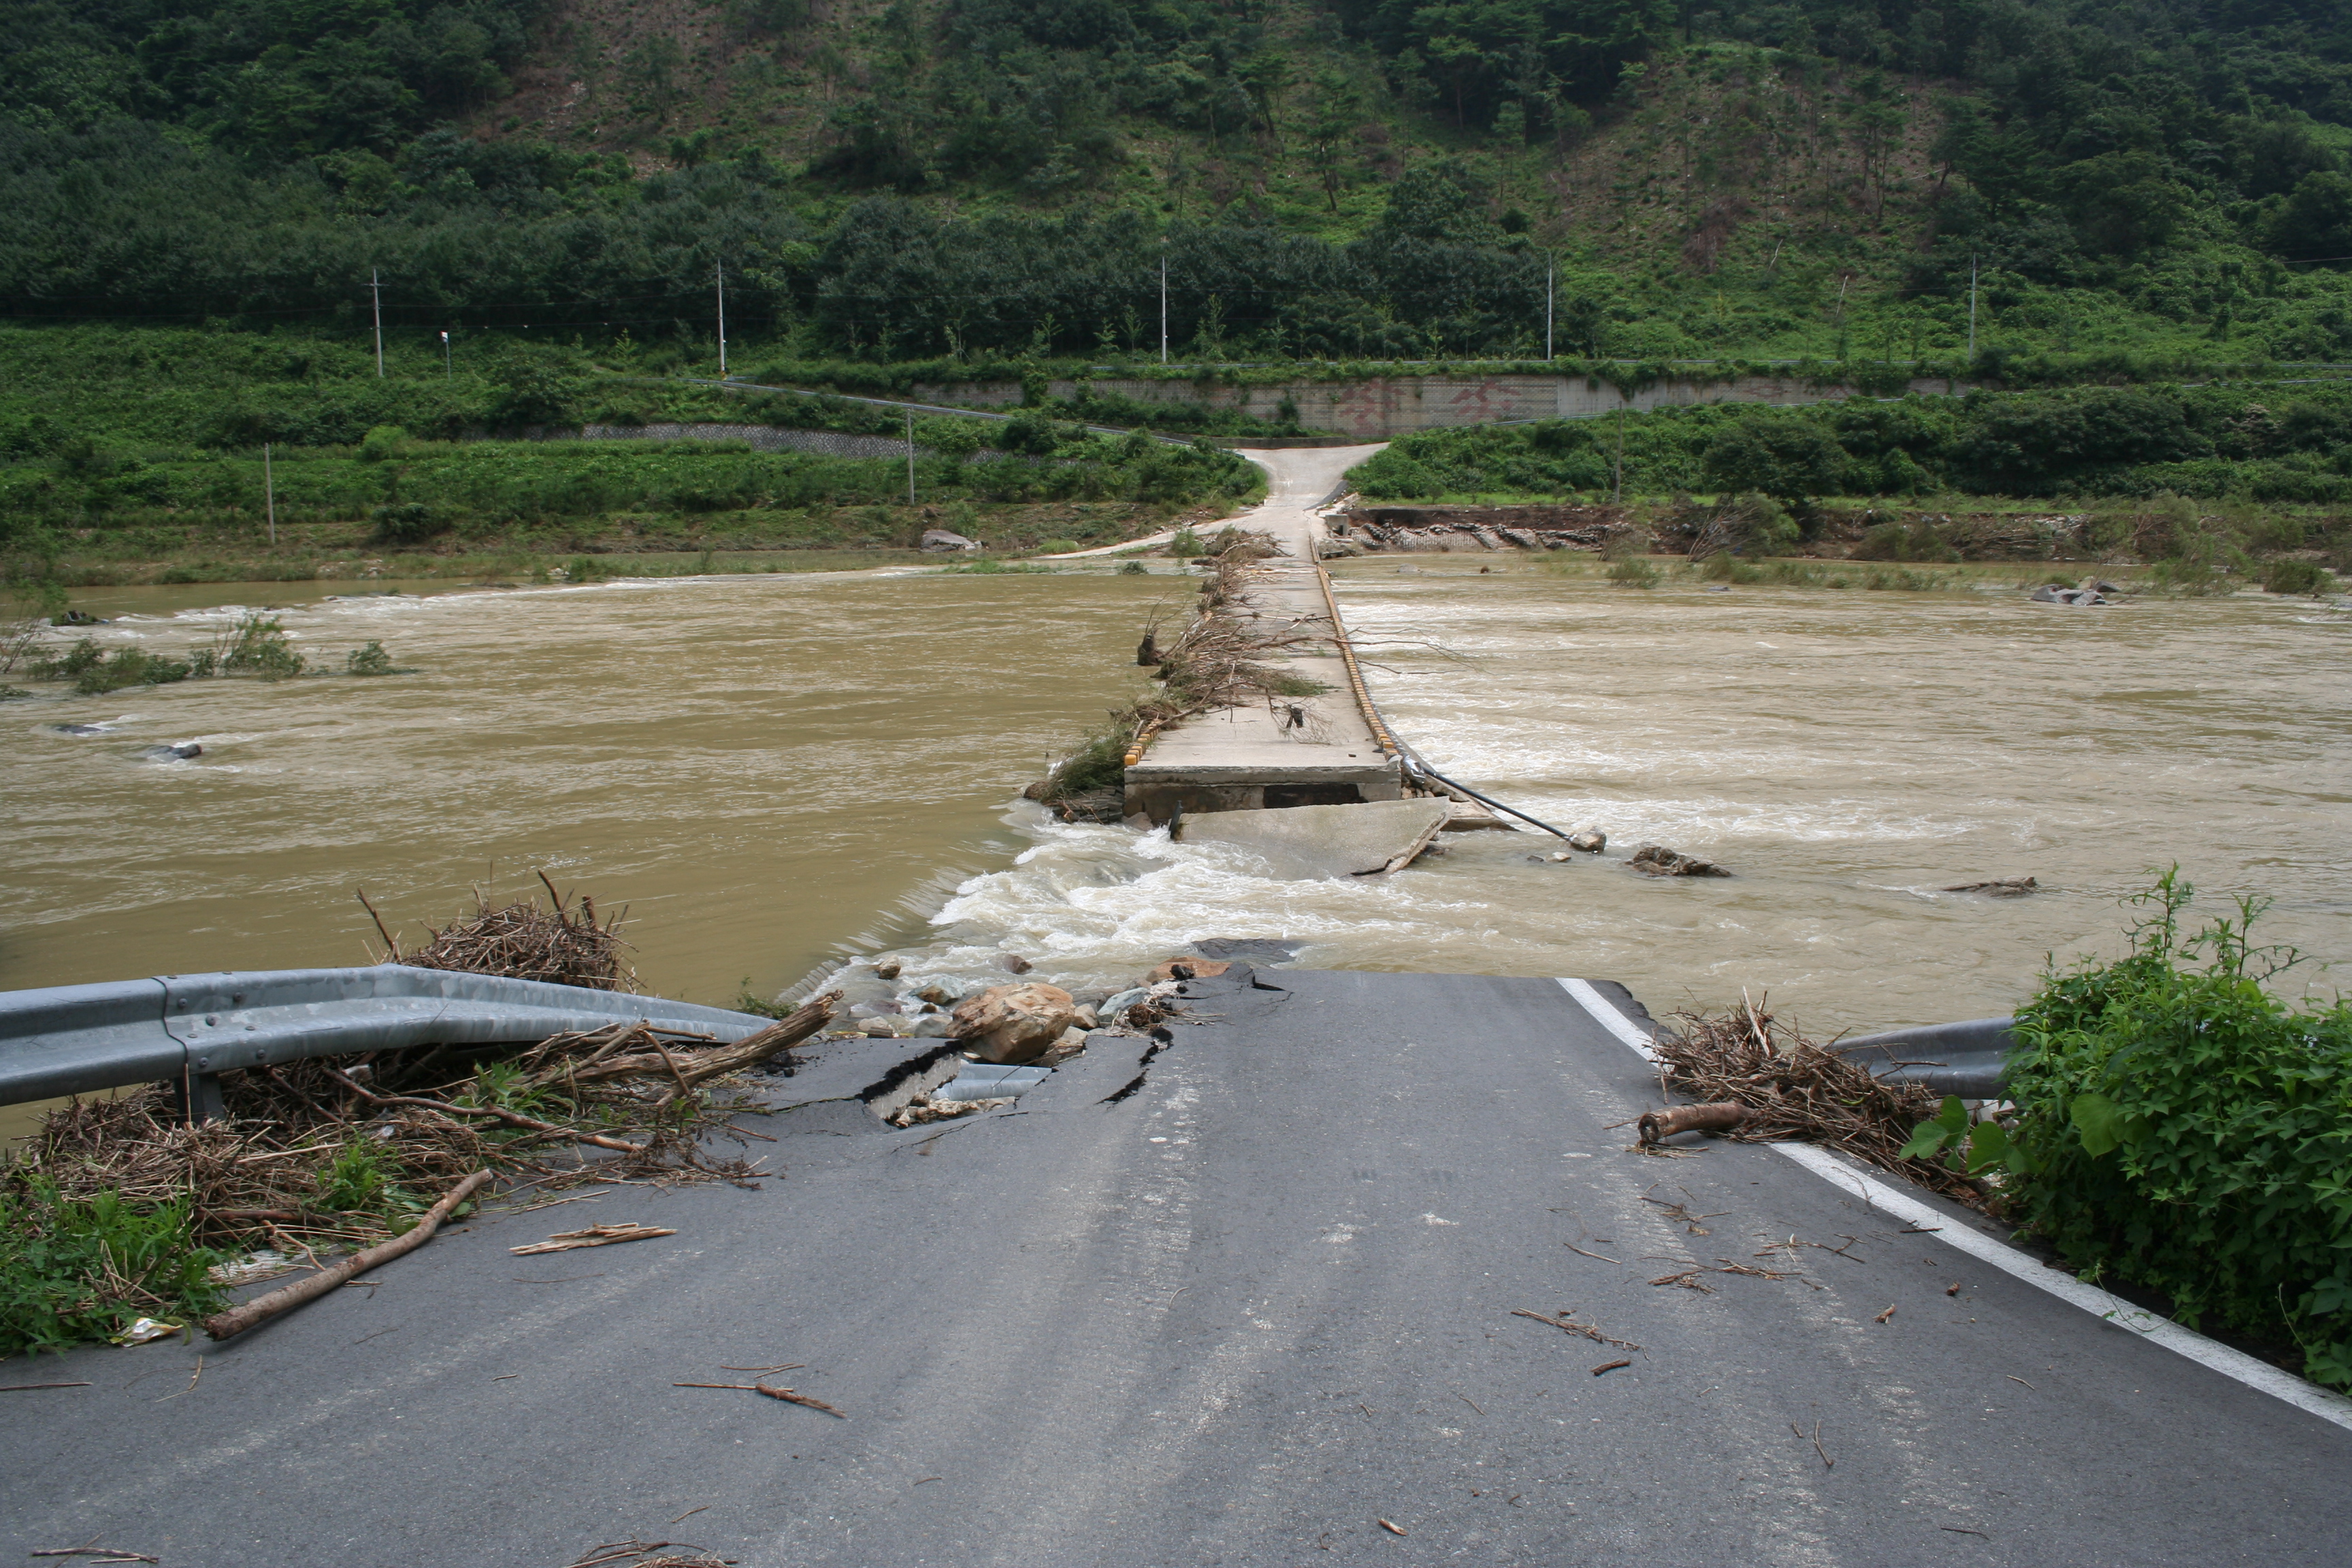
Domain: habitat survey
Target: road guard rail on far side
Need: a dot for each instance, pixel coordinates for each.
(1970, 1059)
(187, 1029)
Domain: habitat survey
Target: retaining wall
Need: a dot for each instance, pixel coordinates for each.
(1384, 407)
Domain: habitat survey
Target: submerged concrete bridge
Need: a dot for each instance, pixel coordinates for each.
(1324, 750)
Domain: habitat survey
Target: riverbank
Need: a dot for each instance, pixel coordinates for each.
(613, 545)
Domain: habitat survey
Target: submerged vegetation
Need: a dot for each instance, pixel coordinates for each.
(255, 646)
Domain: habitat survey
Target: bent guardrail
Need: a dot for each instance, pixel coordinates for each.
(1970, 1058)
(187, 1029)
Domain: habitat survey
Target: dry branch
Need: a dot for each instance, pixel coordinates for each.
(287, 1297)
(1793, 1089)
(594, 1235)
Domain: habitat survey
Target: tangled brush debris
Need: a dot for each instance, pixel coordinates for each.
(345, 1152)
(565, 944)
(1793, 1089)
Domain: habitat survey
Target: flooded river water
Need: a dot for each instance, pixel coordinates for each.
(773, 772)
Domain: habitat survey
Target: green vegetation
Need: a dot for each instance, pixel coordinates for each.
(257, 646)
(143, 445)
(2180, 1128)
(1374, 178)
(2266, 443)
(75, 1268)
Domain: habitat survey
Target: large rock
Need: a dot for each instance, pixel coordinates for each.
(1657, 860)
(940, 539)
(1014, 1023)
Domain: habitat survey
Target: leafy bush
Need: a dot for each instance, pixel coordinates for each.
(2183, 1129)
(1186, 544)
(384, 441)
(407, 522)
(130, 667)
(257, 645)
(2296, 577)
(369, 661)
(83, 1269)
(1635, 573)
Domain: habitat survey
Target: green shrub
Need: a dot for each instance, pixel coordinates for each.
(1633, 574)
(2296, 577)
(1057, 546)
(130, 667)
(1724, 567)
(369, 661)
(1134, 569)
(2183, 1129)
(82, 1269)
(1187, 544)
(384, 441)
(407, 522)
(257, 645)
(1098, 763)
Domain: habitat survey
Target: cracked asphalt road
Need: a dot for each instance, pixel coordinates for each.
(1241, 1315)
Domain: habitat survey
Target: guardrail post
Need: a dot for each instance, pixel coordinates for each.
(197, 1097)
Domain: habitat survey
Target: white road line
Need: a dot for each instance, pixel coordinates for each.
(2221, 1357)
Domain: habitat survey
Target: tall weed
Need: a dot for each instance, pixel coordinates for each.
(2185, 1130)
(84, 1269)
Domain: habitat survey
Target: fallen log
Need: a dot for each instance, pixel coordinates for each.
(699, 1067)
(223, 1325)
(1721, 1116)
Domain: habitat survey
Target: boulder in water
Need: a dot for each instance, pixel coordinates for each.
(1657, 860)
(1014, 1023)
(1592, 840)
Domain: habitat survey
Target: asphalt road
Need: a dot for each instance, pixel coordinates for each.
(1241, 1315)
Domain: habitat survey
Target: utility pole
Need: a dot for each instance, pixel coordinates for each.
(1552, 267)
(445, 371)
(1972, 309)
(910, 456)
(722, 321)
(1163, 302)
(270, 494)
(375, 287)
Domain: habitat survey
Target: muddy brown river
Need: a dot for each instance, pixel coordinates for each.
(773, 773)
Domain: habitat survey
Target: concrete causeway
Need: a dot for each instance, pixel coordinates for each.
(1308, 751)
(1234, 1299)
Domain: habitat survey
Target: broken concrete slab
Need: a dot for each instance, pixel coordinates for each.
(1359, 841)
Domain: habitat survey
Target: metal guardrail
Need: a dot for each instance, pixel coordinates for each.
(1970, 1059)
(187, 1029)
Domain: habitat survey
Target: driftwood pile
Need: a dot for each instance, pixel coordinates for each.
(565, 944)
(1793, 1089)
(336, 1151)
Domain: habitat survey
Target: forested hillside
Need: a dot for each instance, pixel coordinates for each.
(1357, 178)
